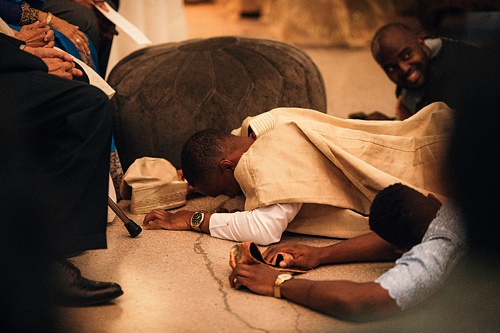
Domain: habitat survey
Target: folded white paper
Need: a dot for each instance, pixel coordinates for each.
(125, 25)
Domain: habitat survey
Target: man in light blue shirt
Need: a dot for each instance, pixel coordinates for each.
(422, 269)
(427, 70)
(429, 236)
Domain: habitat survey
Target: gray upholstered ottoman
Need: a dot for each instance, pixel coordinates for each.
(166, 93)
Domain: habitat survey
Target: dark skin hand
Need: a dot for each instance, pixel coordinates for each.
(303, 255)
(343, 299)
(180, 220)
(161, 219)
(59, 63)
(37, 34)
(368, 247)
(258, 278)
(71, 31)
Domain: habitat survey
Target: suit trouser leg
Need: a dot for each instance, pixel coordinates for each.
(55, 156)
(54, 162)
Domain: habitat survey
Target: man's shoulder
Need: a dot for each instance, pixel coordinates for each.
(457, 62)
(457, 43)
(448, 223)
(456, 49)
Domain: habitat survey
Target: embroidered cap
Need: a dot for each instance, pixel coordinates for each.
(152, 183)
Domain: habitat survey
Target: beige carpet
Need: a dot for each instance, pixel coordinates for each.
(177, 281)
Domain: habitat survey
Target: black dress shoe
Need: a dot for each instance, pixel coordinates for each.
(72, 289)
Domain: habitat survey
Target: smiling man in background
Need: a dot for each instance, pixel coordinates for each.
(427, 69)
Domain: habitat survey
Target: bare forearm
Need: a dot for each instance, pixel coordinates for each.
(341, 299)
(368, 247)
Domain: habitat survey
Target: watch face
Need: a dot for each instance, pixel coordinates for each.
(285, 277)
(197, 218)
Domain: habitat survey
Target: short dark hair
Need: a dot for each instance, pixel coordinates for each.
(201, 153)
(401, 215)
(390, 26)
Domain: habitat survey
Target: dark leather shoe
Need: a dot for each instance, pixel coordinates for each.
(72, 289)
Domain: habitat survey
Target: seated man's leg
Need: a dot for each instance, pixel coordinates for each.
(55, 163)
(61, 138)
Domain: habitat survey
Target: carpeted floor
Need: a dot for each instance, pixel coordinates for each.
(177, 281)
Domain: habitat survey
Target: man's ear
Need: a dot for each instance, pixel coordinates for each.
(423, 46)
(227, 165)
(420, 39)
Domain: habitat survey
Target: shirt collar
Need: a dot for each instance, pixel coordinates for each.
(434, 44)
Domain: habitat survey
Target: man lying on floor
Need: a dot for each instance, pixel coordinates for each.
(431, 236)
(307, 172)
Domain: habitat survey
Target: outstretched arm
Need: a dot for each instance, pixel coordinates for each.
(342, 299)
(367, 247)
(262, 225)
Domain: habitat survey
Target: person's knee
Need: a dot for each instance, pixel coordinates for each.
(100, 104)
(78, 15)
(87, 22)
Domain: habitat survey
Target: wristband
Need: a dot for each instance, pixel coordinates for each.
(48, 19)
(279, 281)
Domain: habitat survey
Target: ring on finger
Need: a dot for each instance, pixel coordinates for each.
(235, 279)
(78, 40)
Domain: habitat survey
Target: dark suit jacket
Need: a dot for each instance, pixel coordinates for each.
(13, 59)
